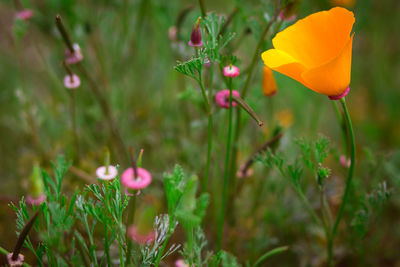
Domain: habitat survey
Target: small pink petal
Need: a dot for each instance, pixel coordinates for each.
(222, 98)
(345, 163)
(181, 263)
(141, 238)
(17, 262)
(283, 17)
(75, 57)
(72, 82)
(24, 14)
(102, 175)
(143, 178)
(231, 71)
(35, 201)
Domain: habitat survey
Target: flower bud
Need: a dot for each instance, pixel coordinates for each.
(36, 187)
(268, 82)
(195, 37)
(231, 71)
(222, 98)
(72, 81)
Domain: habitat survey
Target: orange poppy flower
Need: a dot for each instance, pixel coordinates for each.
(316, 51)
(268, 82)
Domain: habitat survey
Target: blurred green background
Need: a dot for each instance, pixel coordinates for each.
(128, 52)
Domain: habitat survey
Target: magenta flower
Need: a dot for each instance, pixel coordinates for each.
(195, 37)
(222, 98)
(139, 237)
(24, 14)
(142, 180)
(72, 81)
(75, 57)
(231, 71)
(106, 176)
(35, 201)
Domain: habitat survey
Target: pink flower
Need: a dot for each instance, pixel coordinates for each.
(207, 62)
(345, 163)
(143, 178)
(195, 37)
(102, 175)
(141, 238)
(222, 98)
(35, 201)
(72, 82)
(181, 263)
(19, 261)
(173, 33)
(231, 71)
(24, 14)
(75, 57)
(283, 17)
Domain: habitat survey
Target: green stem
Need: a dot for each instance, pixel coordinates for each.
(348, 182)
(202, 8)
(244, 92)
(131, 218)
(269, 254)
(160, 253)
(342, 128)
(207, 103)
(226, 172)
(308, 205)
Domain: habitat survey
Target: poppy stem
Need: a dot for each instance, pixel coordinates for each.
(226, 172)
(348, 181)
(74, 126)
(248, 109)
(64, 33)
(202, 8)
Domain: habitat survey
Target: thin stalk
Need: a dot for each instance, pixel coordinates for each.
(107, 245)
(209, 129)
(226, 172)
(349, 178)
(74, 127)
(131, 218)
(83, 254)
(202, 8)
(248, 109)
(207, 103)
(308, 205)
(244, 92)
(269, 254)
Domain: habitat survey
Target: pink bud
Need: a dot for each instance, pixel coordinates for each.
(231, 71)
(173, 33)
(36, 201)
(222, 98)
(72, 82)
(24, 14)
(75, 57)
(102, 175)
(142, 181)
(195, 37)
(141, 238)
(241, 174)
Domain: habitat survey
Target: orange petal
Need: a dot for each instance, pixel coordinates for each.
(333, 77)
(283, 63)
(317, 38)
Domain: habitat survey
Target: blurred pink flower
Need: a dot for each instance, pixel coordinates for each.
(283, 17)
(222, 98)
(141, 238)
(231, 71)
(181, 263)
(35, 201)
(102, 175)
(19, 261)
(195, 37)
(24, 14)
(142, 180)
(72, 82)
(344, 161)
